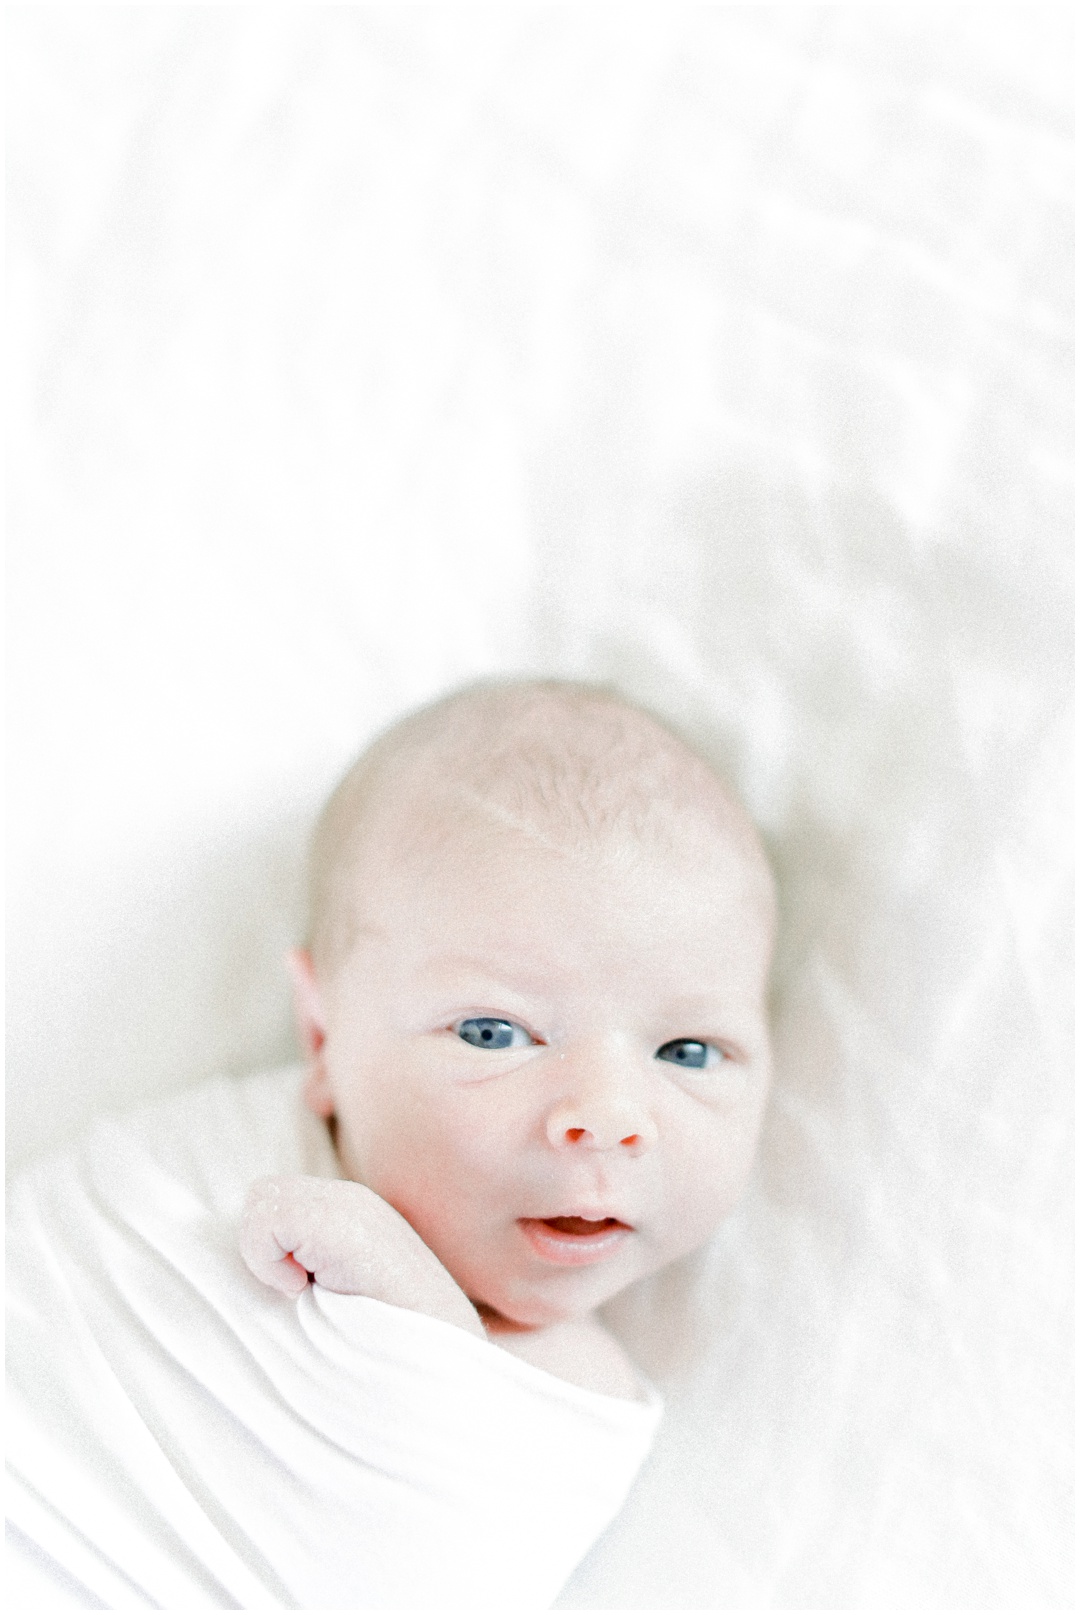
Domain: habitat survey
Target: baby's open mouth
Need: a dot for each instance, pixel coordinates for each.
(582, 1225)
(574, 1241)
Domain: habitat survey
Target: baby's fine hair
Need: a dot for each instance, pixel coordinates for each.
(568, 764)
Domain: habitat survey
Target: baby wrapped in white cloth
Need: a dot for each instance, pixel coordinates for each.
(185, 1438)
(327, 1340)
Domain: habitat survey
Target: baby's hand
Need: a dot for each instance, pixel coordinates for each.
(349, 1240)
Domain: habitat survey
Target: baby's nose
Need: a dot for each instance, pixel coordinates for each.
(603, 1124)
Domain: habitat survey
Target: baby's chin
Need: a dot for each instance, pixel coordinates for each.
(497, 1323)
(507, 1309)
(523, 1289)
(526, 1319)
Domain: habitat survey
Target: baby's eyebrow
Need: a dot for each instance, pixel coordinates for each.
(708, 998)
(454, 967)
(712, 1014)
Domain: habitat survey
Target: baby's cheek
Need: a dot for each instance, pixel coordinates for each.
(466, 1138)
(708, 1177)
(732, 1086)
(433, 1166)
(382, 1132)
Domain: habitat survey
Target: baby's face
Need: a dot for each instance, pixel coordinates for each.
(553, 1065)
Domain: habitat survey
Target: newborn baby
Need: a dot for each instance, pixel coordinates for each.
(534, 1016)
(536, 1058)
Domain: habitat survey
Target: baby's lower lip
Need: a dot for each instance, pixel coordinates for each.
(574, 1241)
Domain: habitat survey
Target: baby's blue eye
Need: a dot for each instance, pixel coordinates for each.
(687, 1051)
(484, 1032)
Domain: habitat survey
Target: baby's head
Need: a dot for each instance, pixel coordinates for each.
(535, 995)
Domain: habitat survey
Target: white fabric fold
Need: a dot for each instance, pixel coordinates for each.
(180, 1436)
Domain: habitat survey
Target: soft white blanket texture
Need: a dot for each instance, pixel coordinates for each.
(182, 1437)
(721, 351)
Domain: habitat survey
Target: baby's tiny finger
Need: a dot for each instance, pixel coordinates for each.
(289, 1276)
(268, 1260)
(259, 1246)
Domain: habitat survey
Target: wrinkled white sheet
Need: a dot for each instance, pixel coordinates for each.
(181, 1437)
(722, 351)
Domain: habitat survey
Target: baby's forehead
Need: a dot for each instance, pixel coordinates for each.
(566, 771)
(570, 804)
(524, 914)
(588, 766)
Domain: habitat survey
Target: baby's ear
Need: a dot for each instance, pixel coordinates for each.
(311, 1024)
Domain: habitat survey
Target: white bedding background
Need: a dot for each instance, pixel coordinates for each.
(720, 351)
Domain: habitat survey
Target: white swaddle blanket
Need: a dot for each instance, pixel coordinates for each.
(181, 1436)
